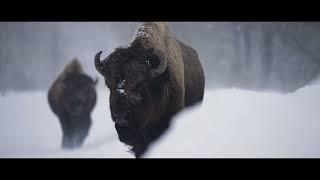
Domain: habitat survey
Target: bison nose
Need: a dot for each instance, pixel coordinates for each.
(121, 121)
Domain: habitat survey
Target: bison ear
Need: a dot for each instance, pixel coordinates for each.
(156, 62)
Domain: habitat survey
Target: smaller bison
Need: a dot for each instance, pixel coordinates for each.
(150, 81)
(72, 98)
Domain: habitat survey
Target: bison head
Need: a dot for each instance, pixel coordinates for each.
(131, 74)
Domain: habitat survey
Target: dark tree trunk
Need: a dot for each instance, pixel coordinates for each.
(266, 55)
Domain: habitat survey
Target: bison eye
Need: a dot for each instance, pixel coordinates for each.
(148, 62)
(152, 63)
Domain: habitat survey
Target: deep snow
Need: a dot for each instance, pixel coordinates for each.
(229, 123)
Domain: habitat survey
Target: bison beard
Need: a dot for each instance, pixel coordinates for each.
(72, 98)
(150, 81)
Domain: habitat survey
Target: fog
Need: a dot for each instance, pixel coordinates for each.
(273, 56)
(34, 53)
(261, 98)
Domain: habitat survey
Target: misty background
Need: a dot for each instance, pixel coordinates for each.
(281, 57)
(273, 56)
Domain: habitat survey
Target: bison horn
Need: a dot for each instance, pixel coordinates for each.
(99, 66)
(155, 72)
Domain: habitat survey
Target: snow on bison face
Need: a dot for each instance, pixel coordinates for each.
(132, 76)
(128, 75)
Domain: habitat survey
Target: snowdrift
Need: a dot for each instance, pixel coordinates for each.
(229, 123)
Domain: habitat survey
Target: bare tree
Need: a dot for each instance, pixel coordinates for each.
(298, 40)
(267, 33)
(4, 35)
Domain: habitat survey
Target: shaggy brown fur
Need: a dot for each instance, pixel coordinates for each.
(72, 98)
(150, 81)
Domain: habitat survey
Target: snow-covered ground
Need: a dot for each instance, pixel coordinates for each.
(229, 123)
(29, 128)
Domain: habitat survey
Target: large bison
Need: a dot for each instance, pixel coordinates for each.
(150, 81)
(72, 98)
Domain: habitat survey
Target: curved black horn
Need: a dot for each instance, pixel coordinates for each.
(97, 63)
(155, 72)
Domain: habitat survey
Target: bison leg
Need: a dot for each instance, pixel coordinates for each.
(75, 131)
